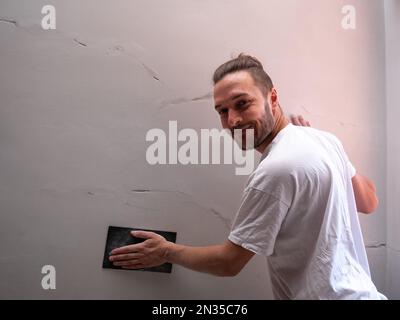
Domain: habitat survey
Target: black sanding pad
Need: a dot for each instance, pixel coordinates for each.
(120, 237)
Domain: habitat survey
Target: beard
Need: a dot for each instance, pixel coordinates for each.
(262, 129)
(266, 126)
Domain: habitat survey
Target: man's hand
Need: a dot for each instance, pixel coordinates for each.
(150, 253)
(298, 120)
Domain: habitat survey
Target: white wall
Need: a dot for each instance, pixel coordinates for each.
(392, 17)
(76, 103)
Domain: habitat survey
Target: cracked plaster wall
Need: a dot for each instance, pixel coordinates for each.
(392, 10)
(76, 103)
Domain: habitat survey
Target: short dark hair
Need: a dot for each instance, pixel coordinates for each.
(247, 63)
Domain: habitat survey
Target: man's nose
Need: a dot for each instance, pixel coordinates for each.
(234, 118)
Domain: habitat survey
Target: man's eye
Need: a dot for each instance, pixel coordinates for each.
(222, 111)
(241, 103)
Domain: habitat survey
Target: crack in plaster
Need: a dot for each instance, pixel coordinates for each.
(80, 43)
(381, 245)
(304, 108)
(338, 121)
(393, 249)
(221, 217)
(226, 221)
(148, 69)
(119, 48)
(203, 97)
(11, 21)
(181, 100)
(376, 245)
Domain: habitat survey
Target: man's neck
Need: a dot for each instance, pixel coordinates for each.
(280, 123)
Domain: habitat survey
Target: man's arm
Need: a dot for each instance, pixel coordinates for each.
(225, 260)
(365, 194)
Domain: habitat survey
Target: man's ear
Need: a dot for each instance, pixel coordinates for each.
(274, 100)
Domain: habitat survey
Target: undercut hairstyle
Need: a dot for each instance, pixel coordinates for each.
(246, 63)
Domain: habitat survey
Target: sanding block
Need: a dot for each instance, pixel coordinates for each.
(121, 236)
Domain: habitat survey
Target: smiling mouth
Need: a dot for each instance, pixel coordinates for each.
(243, 130)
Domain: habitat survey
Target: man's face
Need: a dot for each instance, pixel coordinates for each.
(241, 105)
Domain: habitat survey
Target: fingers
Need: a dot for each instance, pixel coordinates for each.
(150, 252)
(127, 249)
(134, 247)
(122, 257)
(295, 120)
(303, 122)
(298, 120)
(127, 263)
(144, 234)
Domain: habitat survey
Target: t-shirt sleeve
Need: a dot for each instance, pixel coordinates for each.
(352, 170)
(258, 221)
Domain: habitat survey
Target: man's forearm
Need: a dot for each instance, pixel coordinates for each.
(210, 259)
(226, 259)
(365, 194)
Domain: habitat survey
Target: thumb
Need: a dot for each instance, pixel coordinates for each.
(295, 120)
(143, 234)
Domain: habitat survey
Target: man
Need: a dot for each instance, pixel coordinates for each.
(299, 207)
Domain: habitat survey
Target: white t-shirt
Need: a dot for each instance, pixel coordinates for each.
(298, 209)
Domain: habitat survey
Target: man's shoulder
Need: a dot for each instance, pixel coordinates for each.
(315, 140)
(321, 133)
(314, 132)
(273, 174)
(291, 162)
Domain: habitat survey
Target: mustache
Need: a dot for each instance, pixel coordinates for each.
(248, 126)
